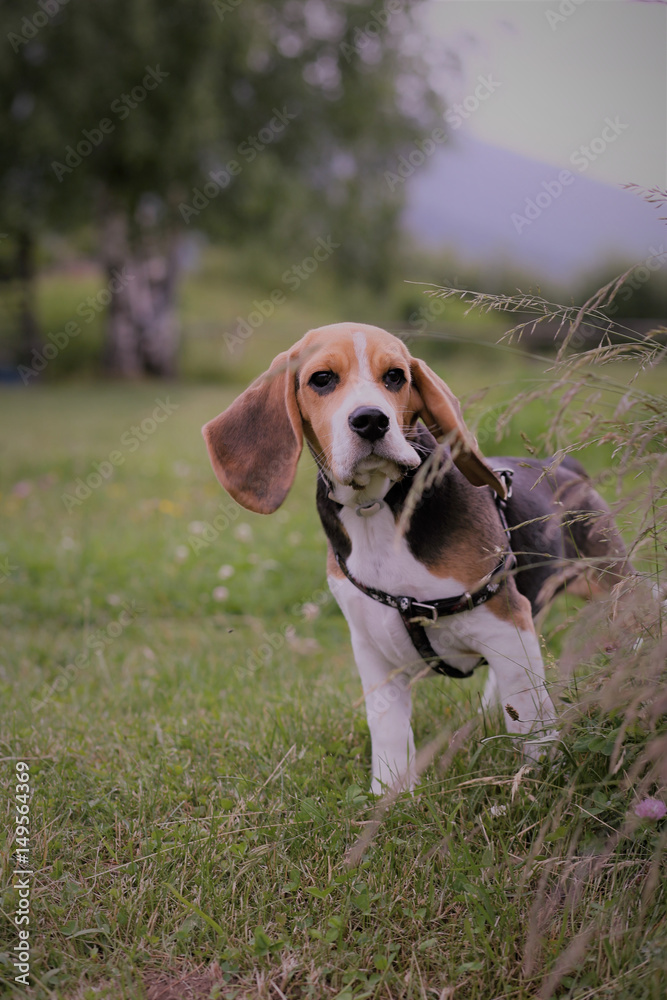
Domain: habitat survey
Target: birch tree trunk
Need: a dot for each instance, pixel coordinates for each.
(142, 334)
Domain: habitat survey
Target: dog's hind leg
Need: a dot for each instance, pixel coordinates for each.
(597, 559)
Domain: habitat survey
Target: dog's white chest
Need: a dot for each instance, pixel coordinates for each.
(381, 559)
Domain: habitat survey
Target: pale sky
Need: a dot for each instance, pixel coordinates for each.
(556, 86)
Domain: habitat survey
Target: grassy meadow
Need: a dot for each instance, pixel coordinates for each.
(182, 687)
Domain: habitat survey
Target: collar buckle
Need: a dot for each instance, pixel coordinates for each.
(505, 476)
(427, 612)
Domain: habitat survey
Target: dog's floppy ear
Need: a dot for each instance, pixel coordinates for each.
(436, 404)
(254, 445)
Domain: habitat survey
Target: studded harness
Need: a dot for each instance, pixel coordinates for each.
(416, 614)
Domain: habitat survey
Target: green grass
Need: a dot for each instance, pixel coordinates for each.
(199, 777)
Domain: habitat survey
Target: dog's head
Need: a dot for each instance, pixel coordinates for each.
(355, 393)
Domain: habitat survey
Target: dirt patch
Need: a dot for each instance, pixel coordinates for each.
(195, 985)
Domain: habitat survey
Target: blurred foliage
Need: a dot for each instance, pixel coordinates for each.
(138, 102)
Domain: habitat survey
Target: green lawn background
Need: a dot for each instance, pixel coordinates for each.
(200, 774)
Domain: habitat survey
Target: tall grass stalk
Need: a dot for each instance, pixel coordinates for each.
(595, 869)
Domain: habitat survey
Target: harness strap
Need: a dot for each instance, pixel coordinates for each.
(415, 613)
(422, 644)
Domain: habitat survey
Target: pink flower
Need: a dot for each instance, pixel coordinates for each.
(651, 808)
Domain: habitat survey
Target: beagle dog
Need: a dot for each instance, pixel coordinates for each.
(417, 522)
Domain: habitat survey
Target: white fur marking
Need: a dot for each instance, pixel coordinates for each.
(359, 340)
(348, 451)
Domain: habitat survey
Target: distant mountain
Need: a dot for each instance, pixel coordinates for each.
(495, 208)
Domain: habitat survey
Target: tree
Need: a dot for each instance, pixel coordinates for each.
(234, 116)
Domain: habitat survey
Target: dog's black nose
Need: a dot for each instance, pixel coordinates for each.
(369, 422)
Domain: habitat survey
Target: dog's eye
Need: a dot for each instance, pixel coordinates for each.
(395, 378)
(323, 380)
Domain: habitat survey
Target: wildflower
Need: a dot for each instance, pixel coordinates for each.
(170, 508)
(243, 532)
(651, 808)
(225, 572)
(220, 594)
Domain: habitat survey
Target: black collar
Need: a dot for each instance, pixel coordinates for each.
(417, 613)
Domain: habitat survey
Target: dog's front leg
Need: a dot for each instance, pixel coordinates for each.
(388, 697)
(387, 690)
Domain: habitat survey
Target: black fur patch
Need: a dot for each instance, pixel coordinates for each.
(443, 513)
(331, 522)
